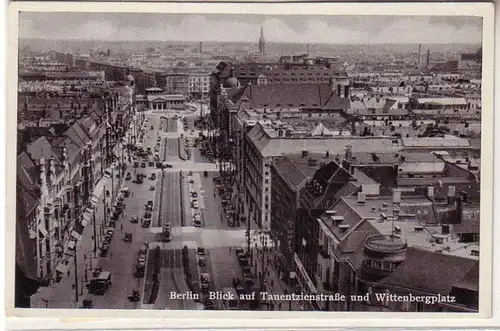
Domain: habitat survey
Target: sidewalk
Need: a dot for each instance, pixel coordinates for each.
(275, 286)
(63, 294)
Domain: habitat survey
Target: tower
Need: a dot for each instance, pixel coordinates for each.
(419, 49)
(262, 42)
(428, 57)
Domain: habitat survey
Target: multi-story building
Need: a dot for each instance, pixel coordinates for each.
(266, 141)
(199, 85)
(371, 246)
(176, 82)
(59, 178)
(289, 176)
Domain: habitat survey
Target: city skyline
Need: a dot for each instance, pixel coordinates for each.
(246, 28)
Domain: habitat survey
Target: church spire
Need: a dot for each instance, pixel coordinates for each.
(262, 41)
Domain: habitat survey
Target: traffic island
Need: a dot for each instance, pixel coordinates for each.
(191, 270)
(151, 281)
(182, 149)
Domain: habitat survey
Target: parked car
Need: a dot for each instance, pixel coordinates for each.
(197, 223)
(153, 176)
(194, 194)
(202, 261)
(201, 251)
(135, 219)
(128, 176)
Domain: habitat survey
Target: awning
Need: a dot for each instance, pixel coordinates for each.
(75, 235)
(71, 244)
(98, 189)
(86, 219)
(304, 274)
(94, 200)
(62, 268)
(42, 230)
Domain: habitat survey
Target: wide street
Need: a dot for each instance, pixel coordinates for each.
(163, 131)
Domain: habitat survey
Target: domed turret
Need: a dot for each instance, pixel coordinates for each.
(382, 254)
(233, 82)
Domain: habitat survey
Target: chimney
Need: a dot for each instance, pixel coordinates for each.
(451, 195)
(396, 197)
(460, 209)
(343, 228)
(348, 153)
(305, 154)
(465, 197)
(361, 198)
(430, 192)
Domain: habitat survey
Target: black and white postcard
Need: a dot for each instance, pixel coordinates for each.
(255, 158)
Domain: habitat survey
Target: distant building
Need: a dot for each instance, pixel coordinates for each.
(156, 99)
(262, 42)
(199, 84)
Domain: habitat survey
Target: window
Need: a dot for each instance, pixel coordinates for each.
(266, 206)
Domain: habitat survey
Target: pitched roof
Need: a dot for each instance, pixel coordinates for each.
(287, 95)
(430, 272)
(336, 103)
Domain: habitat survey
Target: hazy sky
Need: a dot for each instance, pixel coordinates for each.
(246, 28)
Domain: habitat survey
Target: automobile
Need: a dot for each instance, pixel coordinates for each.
(194, 194)
(128, 176)
(128, 237)
(151, 163)
(191, 181)
(146, 223)
(149, 205)
(158, 165)
(136, 164)
(141, 258)
(195, 205)
(110, 232)
(87, 304)
(152, 188)
(153, 176)
(196, 217)
(166, 165)
(201, 251)
(152, 127)
(239, 250)
(143, 165)
(135, 219)
(202, 261)
(190, 173)
(197, 223)
(147, 214)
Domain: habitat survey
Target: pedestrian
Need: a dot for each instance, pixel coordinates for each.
(272, 283)
(279, 305)
(229, 249)
(121, 227)
(69, 273)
